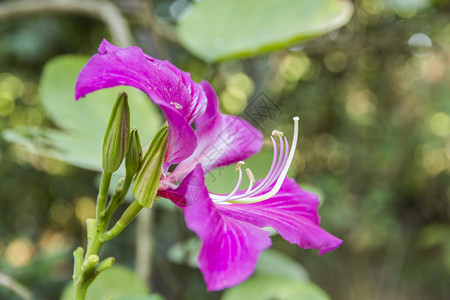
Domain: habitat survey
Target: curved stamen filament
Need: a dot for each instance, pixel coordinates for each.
(279, 167)
(271, 176)
(281, 163)
(277, 173)
(273, 170)
(251, 178)
(238, 184)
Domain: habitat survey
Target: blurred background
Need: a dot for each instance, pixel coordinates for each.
(374, 103)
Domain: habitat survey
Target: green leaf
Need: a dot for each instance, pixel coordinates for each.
(185, 252)
(82, 123)
(114, 283)
(275, 263)
(70, 148)
(221, 29)
(269, 287)
(270, 263)
(151, 297)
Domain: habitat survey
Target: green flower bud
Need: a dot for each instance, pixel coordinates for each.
(147, 178)
(117, 136)
(133, 158)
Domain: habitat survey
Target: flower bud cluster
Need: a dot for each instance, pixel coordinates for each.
(119, 144)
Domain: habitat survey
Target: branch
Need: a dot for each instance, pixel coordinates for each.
(142, 12)
(15, 286)
(104, 11)
(151, 23)
(144, 245)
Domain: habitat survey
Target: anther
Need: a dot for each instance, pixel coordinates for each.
(239, 164)
(277, 133)
(250, 175)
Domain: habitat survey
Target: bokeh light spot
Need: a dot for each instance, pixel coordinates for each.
(19, 252)
(181, 9)
(360, 103)
(7, 103)
(420, 44)
(60, 214)
(294, 66)
(439, 124)
(338, 162)
(84, 208)
(369, 59)
(335, 61)
(53, 241)
(242, 81)
(432, 68)
(434, 161)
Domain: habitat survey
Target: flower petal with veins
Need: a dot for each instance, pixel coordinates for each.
(181, 99)
(231, 234)
(222, 139)
(230, 247)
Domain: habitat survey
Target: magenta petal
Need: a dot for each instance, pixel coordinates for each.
(230, 248)
(164, 83)
(222, 139)
(181, 99)
(212, 107)
(182, 140)
(292, 213)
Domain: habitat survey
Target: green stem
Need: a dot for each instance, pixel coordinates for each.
(118, 197)
(103, 194)
(87, 269)
(80, 292)
(130, 213)
(77, 262)
(105, 264)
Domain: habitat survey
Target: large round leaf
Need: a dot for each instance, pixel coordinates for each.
(81, 124)
(151, 297)
(114, 283)
(221, 29)
(276, 264)
(268, 287)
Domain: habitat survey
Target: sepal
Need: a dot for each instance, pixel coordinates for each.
(117, 136)
(147, 178)
(134, 155)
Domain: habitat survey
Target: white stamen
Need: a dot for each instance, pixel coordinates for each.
(250, 175)
(251, 178)
(277, 133)
(272, 177)
(236, 188)
(276, 174)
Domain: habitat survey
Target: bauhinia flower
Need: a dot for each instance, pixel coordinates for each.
(230, 226)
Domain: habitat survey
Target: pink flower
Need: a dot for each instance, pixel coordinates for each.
(229, 226)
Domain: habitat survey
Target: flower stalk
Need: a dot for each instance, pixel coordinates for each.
(119, 145)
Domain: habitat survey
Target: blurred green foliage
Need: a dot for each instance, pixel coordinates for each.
(234, 30)
(373, 98)
(79, 143)
(117, 282)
